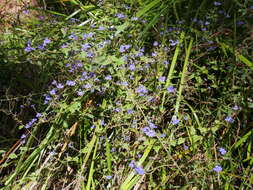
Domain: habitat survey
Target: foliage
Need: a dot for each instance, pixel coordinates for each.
(121, 97)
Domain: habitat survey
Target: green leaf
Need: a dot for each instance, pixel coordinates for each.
(12, 156)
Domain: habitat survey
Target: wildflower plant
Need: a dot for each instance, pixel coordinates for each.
(108, 92)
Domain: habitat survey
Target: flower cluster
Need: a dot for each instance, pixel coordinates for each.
(139, 170)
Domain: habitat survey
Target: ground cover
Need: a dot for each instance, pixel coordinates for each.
(134, 95)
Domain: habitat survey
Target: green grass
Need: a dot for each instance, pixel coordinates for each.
(95, 94)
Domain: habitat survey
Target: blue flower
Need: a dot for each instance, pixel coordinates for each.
(217, 168)
(141, 90)
(53, 92)
(153, 54)
(108, 177)
(123, 48)
(132, 164)
(162, 79)
(39, 115)
(80, 93)
(130, 111)
(59, 86)
(29, 48)
(174, 120)
(152, 125)
(87, 86)
(171, 89)
(134, 18)
(124, 83)
(139, 170)
(132, 67)
(70, 83)
(90, 54)
(108, 77)
(120, 15)
(85, 47)
(235, 108)
(23, 136)
(117, 110)
(101, 28)
(222, 151)
(73, 36)
(149, 132)
(155, 43)
(165, 62)
(229, 119)
(46, 41)
(217, 3)
(173, 43)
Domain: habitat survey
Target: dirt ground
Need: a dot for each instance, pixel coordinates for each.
(11, 11)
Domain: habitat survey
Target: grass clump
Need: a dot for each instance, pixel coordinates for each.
(103, 102)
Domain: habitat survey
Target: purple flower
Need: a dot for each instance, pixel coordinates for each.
(117, 110)
(132, 67)
(85, 47)
(174, 120)
(139, 54)
(23, 136)
(217, 168)
(101, 28)
(73, 36)
(149, 132)
(134, 18)
(80, 93)
(229, 119)
(162, 79)
(217, 3)
(26, 12)
(235, 108)
(186, 147)
(171, 89)
(28, 48)
(39, 115)
(141, 90)
(90, 54)
(87, 86)
(222, 151)
(41, 47)
(46, 41)
(108, 177)
(207, 23)
(173, 43)
(70, 83)
(64, 45)
(52, 92)
(130, 111)
(152, 125)
(239, 23)
(163, 135)
(124, 83)
(59, 86)
(131, 164)
(139, 170)
(123, 48)
(120, 15)
(165, 62)
(155, 43)
(108, 77)
(153, 54)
